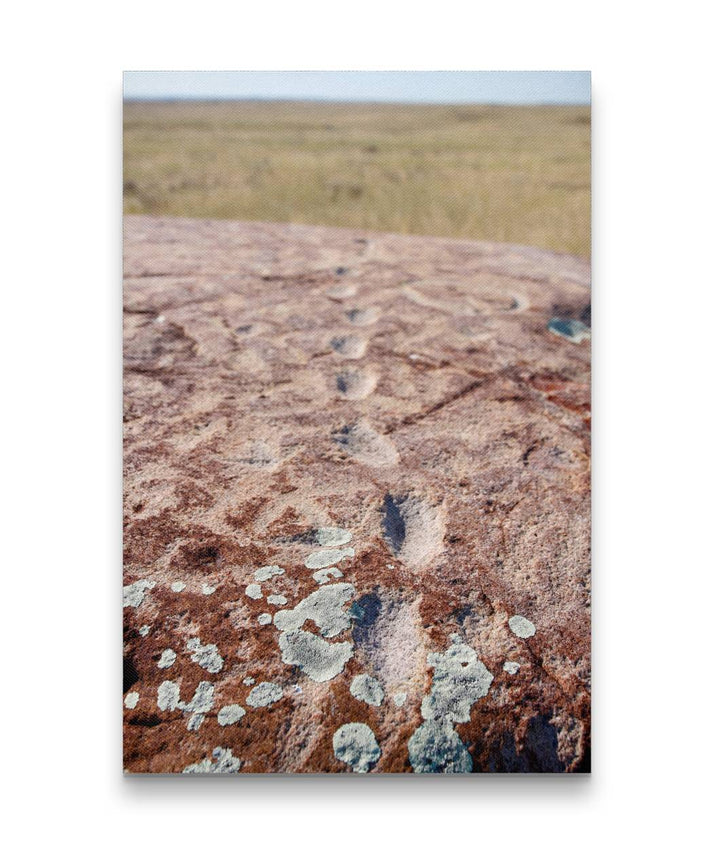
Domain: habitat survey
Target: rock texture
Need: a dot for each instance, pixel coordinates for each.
(406, 396)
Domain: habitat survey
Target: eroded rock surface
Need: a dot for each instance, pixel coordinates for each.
(413, 412)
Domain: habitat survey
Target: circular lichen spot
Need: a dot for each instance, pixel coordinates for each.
(332, 536)
(355, 745)
(254, 591)
(264, 694)
(230, 714)
(521, 627)
(436, 747)
(368, 689)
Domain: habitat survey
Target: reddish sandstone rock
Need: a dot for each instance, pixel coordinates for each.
(285, 381)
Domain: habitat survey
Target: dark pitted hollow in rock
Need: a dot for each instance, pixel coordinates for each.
(365, 612)
(415, 426)
(394, 523)
(130, 675)
(365, 445)
(413, 528)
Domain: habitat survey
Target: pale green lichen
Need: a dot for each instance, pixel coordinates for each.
(144, 630)
(325, 558)
(206, 656)
(178, 586)
(206, 589)
(400, 699)
(331, 536)
(355, 745)
(230, 714)
(254, 591)
(131, 700)
(268, 571)
(276, 599)
(134, 594)
(322, 577)
(265, 618)
(459, 680)
(168, 698)
(167, 658)
(200, 704)
(319, 660)
(264, 694)
(436, 747)
(510, 667)
(248, 681)
(223, 762)
(195, 721)
(521, 627)
(367, 689)
(168, 695)
(324, 607)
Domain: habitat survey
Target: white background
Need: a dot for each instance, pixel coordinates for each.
(655, 328)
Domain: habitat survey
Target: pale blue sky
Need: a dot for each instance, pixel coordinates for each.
(442, 87)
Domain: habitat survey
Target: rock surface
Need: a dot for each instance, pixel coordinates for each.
(283, 382)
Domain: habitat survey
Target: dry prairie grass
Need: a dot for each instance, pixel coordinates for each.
(514, 174)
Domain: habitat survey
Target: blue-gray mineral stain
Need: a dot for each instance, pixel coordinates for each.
(569, 328)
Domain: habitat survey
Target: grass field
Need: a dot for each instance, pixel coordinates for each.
(516, 174)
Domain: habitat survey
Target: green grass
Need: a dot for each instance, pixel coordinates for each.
(516, 174)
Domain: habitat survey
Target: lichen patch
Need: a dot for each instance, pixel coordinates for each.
(459, 680)
(131, 700)
(264, 694)
(510, 667)
(324, 576)
(355, 745)
(230, 714)
(254, 591)
(167, 659)
(324, 607)
(134, 594)
(436, 747)
(319, 660)
(206, 656)
(325, 558)
(168, 695)
(521, 627)
(223, 761)
(367, 689)
(332, 536)
(200, 704)
(268, 571)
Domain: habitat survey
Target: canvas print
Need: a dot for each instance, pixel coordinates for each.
(356, 423)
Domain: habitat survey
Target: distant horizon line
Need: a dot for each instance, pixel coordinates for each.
(320, 100)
